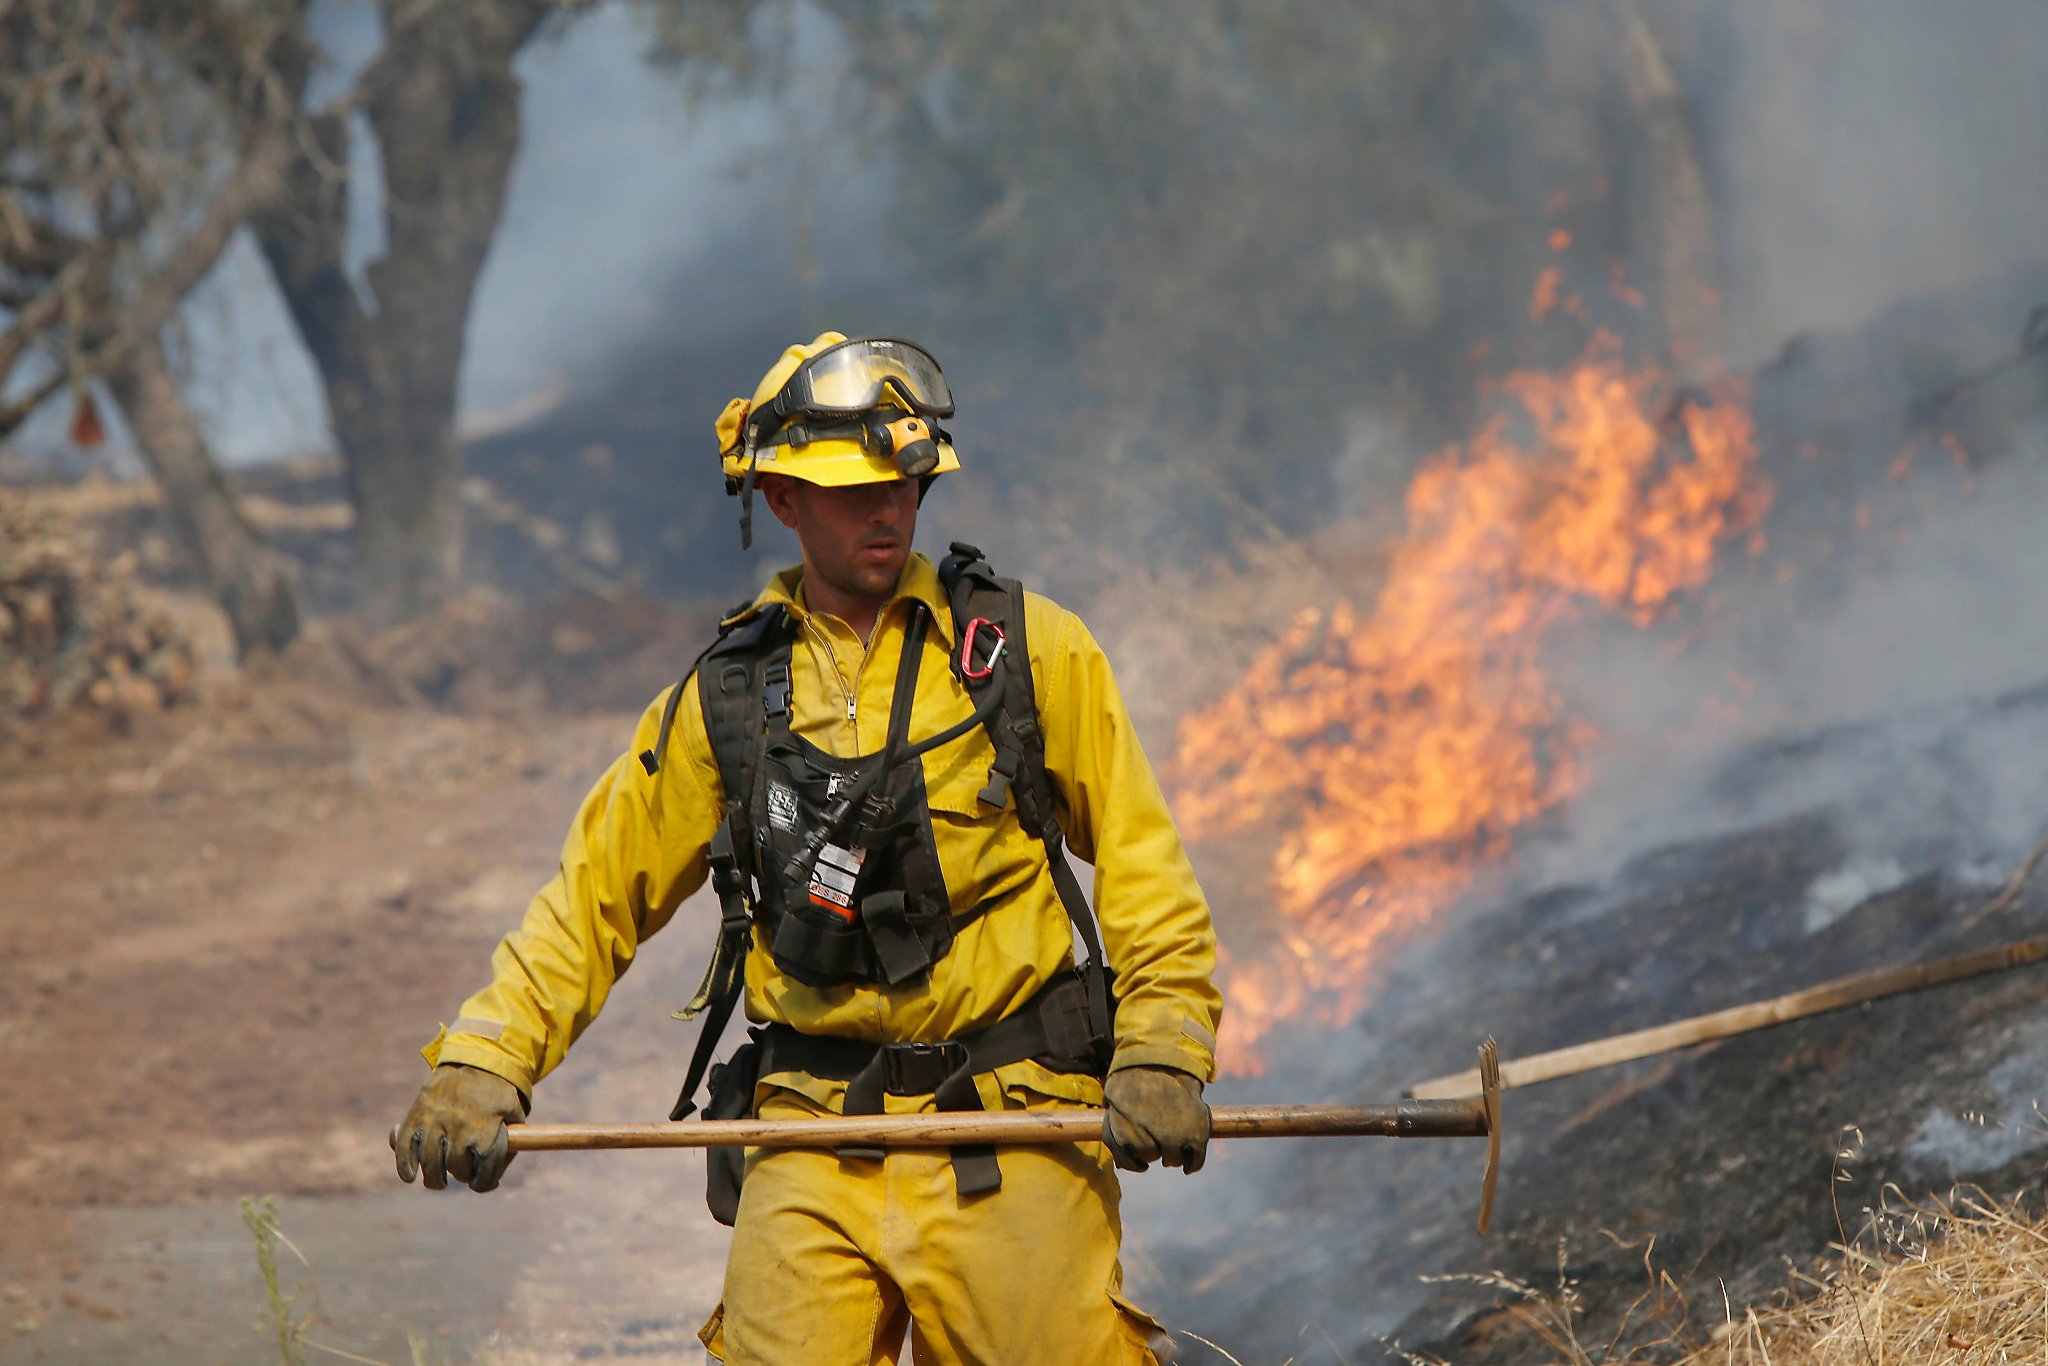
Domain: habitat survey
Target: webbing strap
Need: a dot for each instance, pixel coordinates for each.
(1045, 1030)
(1049, 1029)
(776, 690)
(886, 915)
(1019, 772)
(725, 974)
(730, 885)
(738, 743)
(650, 759)
(975, 1171)
(1101, 1028)
(715, 1019)
(906, 683)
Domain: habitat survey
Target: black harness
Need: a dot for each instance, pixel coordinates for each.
(832, 865)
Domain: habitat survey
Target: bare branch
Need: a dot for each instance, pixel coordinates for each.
(256, 181)
(35, 319)
(12, 415)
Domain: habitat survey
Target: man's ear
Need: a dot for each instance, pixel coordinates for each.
(779, 491)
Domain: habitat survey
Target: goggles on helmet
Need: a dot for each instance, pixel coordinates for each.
(852, 377)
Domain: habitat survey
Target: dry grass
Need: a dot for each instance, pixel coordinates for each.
(1959, 1280)
(1950, 1281)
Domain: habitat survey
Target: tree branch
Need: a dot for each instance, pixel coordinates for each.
(13, 414)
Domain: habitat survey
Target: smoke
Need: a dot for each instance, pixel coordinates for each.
(1868, 151)
(1956, 611)
(637, 212)
(1876, 702)
(1835, 894)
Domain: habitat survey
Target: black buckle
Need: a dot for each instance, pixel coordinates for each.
(919, 1069)
(733, 916)
(1001, 774)
(726, 878)
(775, 692)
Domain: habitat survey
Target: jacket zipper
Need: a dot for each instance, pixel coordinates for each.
(832, 658)
(867, 652)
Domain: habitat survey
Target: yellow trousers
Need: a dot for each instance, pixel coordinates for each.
(832, 1261)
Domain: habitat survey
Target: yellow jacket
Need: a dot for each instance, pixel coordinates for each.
(638, 848)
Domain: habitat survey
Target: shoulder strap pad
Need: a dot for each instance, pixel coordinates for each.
(733, 682)
(738, 630)
(977, 591)
(1018, 774)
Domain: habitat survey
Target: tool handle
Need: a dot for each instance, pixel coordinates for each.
(1842, 992)
(1406, 1119)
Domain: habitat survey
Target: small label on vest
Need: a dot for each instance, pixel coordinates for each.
(832, 881)
(781, 805)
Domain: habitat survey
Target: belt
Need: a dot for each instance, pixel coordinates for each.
(1050, 1029)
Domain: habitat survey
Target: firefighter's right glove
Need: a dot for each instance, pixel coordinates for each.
(456, 1127)
(1155, 1113)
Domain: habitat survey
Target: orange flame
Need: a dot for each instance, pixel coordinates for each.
(1402, 747)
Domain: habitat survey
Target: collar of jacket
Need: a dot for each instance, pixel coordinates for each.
(919, 581)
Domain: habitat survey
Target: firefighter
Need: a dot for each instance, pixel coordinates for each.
(879, 766)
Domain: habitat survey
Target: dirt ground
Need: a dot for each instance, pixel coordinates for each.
(226, 932)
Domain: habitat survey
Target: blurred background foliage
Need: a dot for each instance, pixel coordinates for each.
(1207, 275)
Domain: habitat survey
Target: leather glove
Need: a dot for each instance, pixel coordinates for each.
(456, 1127)
(1155, 1113)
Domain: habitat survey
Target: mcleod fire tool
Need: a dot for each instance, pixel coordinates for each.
(1469, 1117)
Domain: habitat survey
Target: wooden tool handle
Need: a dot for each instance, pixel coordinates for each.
(1724, 1024)
(1407, 1119)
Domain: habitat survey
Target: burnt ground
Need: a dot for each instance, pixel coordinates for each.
(1740, 1159)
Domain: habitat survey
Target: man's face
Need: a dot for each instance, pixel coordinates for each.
(856, 538)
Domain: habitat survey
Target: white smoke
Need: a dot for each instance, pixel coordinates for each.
(1869, 151)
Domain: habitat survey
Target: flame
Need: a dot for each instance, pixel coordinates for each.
(1402, 745)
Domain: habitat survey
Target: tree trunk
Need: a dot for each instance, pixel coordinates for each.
(244, 572)
(443, 101)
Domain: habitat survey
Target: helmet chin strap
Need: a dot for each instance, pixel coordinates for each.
(753, 461)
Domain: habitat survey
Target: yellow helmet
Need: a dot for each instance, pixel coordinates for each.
(837, 412)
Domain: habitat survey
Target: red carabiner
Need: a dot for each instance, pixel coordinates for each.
(968, 670)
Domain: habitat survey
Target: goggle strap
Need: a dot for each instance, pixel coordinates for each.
(802, 433)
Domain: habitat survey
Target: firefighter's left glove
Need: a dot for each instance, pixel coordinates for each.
(456, 1127)
(1155, 1113)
